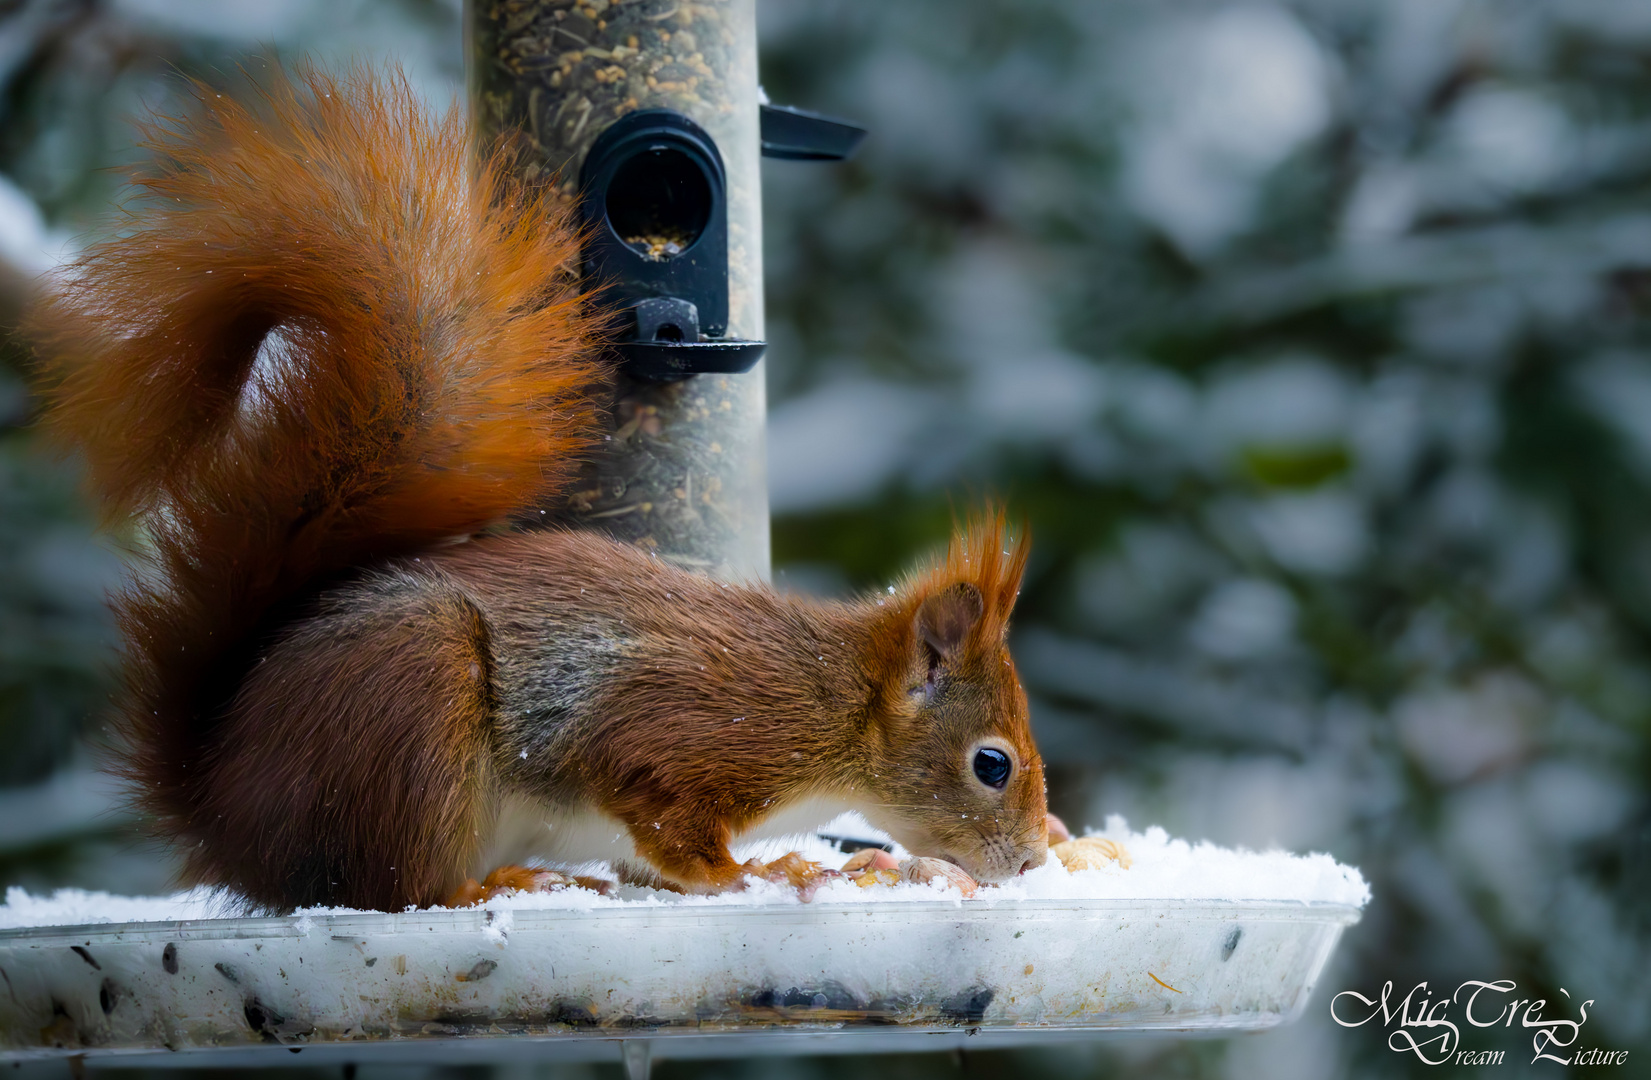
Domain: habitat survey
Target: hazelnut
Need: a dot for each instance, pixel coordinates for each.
(924, 870)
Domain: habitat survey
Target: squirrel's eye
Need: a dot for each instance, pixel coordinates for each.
(992, 767)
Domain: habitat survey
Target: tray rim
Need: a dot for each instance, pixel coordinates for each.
(530, 919)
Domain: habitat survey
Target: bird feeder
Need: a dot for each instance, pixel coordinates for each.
(647, 115)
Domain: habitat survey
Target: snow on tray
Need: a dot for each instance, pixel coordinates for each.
(1163, 869)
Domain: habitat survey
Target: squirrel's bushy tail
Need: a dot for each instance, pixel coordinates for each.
(326, 336)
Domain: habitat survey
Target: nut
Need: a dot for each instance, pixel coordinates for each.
(870, 859)
(1090, 853)
(879, 876)
(925, 870)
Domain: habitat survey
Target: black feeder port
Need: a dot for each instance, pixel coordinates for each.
(655, 201)
(654, 196)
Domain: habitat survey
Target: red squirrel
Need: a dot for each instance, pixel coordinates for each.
(326, 358)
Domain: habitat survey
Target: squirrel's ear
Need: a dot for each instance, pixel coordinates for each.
(948, 615)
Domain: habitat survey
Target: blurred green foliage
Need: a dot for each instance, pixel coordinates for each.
(56, 636)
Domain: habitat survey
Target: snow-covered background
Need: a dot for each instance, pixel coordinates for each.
(1311, 338)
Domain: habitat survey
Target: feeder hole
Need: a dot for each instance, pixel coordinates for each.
(659, 202)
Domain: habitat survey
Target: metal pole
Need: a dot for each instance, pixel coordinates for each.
(683, 470)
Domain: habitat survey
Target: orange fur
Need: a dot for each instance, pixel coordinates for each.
(831, 699)
(509, 879)
(328, 337)
(983, 553)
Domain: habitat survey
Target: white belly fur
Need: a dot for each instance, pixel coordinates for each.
(529, 831)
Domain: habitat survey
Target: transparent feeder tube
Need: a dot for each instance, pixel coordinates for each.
(682, 470)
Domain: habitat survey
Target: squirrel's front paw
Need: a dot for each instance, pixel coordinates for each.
(794, 870)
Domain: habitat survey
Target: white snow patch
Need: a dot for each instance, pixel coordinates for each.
(1163, 868)
(75, 907)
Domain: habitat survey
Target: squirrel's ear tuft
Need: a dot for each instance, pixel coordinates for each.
(948, 615)
(968, 595)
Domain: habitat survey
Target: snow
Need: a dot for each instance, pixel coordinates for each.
(1163, 868)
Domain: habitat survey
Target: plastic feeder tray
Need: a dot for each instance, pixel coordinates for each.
(707, 980)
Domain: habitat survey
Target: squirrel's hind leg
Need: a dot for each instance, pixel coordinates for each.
(351, 768)
(509, 879)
